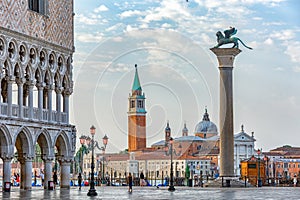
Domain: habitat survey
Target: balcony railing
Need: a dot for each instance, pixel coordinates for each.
(35, 112)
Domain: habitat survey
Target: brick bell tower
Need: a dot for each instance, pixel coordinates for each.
(136, 116)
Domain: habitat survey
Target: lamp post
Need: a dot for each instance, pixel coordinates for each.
(170, 151)
(104, 140)
(259, 180)
(91, 145)
(92, 191)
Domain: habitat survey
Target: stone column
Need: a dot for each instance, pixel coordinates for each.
(65, 174)
(30, 100)
(225, 58)
(47, 171)
(6, 170)
(9, 97)
(22, 175)
(66, 104)
(40, 100)
(28, 173)
(58, 102)
(49, 102)
(20, 97)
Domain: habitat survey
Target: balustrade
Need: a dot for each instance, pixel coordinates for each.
(26, 109)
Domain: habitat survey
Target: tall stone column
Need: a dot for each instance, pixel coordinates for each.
(225, 58)
(58, 102)
(9, 97)
(66, 95)
(65, 174)
(28, 173)
(40, 100)
(47, 171)
(49, 102)
(20, 97)
(22, 175)
(6, 170)
(30, 100)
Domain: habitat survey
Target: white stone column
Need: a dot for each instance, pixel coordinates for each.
(66, 104)
(225, 58)
(58, 103)
(49, 103)
(28, 173)
(47, 171)
(9, 97)
(6, 171)
(30, 100)
(40, 100)
(20, 98)
(65, 174)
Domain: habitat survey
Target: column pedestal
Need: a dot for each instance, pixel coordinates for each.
(225, 58)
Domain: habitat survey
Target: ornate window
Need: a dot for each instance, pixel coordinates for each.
(40, 6)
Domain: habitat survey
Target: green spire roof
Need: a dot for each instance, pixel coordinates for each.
(136, 83)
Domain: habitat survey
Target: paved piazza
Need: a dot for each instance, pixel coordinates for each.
(161, 193)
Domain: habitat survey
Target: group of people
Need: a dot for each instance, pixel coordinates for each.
(130, 181)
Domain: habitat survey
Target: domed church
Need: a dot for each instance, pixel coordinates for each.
(206, 128)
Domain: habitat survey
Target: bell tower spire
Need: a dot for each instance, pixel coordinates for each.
(136, 116)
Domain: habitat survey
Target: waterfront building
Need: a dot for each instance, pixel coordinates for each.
(36, 49)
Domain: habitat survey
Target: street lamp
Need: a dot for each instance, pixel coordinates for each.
(92, 191)
(259, 183)
(171, 151)
(104, 141)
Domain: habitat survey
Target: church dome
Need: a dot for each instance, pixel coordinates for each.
(206, 126)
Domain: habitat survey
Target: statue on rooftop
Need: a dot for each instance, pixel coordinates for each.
(227, 39)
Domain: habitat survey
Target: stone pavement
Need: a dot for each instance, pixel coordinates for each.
(142, 193)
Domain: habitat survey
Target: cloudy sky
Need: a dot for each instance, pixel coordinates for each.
(169, 40)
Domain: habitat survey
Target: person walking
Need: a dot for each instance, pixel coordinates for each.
(142, 179)
(79, 180)
(42, 177)
(55, 178)
(129, 181)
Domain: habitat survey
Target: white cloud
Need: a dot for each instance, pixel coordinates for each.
(268, 41)
(283, 35)
(87, 20)
(101, 8)
(293, 50)
(130, 13)
(87, 37)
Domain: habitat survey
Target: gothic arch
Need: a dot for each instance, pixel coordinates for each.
(18, 72)
(43, 138)
(7, 68)
(57, 80)
(38, 75)
(23, 141)
(28, 73)
(48, 80)
(66, 82)
(5, 141)
(62, 144)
